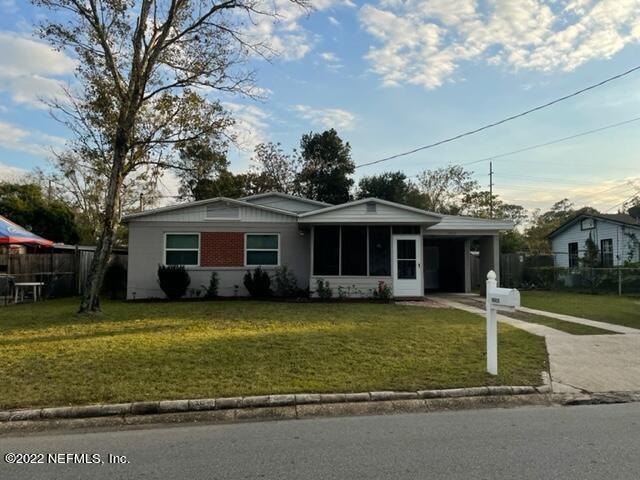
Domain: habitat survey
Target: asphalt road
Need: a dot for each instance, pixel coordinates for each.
(527, 443)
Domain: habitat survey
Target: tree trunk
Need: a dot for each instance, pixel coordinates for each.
(90, 302)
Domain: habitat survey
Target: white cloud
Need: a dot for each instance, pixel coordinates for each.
(31, 142)
(329, 57)
(423, 42)
(327, 117)
(333, 21)
(9, 173)
(30, 70)
(285, 35)
(250, 126)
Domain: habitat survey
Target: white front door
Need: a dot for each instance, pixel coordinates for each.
(407, 266)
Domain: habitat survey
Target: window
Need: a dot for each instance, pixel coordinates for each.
(354, 250)
(379, 251)
(588, 224)
(606, 252)
(262, 249)
(406, 259)
(182, 249)
(573, 254)
(326, 250)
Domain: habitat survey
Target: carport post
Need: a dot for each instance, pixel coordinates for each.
(492, 326)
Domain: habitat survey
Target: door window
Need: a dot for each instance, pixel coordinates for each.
(406, 259)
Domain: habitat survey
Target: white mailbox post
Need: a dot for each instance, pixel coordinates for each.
(497, 299)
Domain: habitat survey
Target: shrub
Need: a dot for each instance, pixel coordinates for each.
(323, 289)
(212, 290)
(258, 284)
(115, 279)
(383, 292)
(174, 280)
(286, 283)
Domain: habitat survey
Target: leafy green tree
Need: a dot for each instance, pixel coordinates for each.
(391, 186)
(25, 205)
(274, 170)
(326, 167)
(198, 165)
(444, 189)
(144, 68)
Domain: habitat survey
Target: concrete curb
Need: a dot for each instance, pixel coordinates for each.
(242, 406)
(287, 412)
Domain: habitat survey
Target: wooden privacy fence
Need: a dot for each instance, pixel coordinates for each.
(63, 273)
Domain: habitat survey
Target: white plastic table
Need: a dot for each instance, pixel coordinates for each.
(22, 286)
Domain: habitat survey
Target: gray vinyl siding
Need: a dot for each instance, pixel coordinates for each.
(289, 204)
(198, 213)
(146, 252)
(603, 230)
(358, 214)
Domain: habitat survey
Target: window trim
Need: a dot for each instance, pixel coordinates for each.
(246, 250)
(602, 253)
(577, 254)
(165, 250)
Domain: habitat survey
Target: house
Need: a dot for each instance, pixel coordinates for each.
(354, 245)
(616, 236)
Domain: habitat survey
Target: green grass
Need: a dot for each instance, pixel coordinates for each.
(152, 351)
(563, 326)
(605, 308)
(568, 327)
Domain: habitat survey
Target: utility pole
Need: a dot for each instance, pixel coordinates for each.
(141, 196)
(491, 189)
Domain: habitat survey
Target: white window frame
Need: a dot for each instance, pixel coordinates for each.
(246, 250)
(165, 249)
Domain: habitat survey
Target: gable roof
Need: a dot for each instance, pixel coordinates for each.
(334, 212)
(618, 218)
(179, 206)
(287, 196)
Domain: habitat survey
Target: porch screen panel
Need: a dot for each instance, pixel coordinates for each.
(379, 251)
(354, 250)
(326, 250)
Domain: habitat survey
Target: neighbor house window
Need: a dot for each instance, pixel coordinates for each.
(262, 249)
(182, 249)
(573, 254)
(606, 252)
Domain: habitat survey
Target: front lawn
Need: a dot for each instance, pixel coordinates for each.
(605, 308)
(152, 351)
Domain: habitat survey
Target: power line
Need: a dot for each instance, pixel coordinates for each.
(622, 202)
(552, 142)
(504, 120)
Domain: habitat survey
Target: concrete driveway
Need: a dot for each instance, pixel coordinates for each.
(595, 363)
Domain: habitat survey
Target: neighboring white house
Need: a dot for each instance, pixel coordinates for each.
(617, 237)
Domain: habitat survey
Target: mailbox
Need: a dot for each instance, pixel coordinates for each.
(504, 298)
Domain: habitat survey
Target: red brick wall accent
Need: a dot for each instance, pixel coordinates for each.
(222, 249)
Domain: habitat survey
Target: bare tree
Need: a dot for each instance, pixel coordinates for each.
(144, 70)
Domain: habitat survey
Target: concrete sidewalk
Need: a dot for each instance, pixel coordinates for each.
(582, 321)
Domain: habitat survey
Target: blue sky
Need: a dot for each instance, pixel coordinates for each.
(391, 75)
